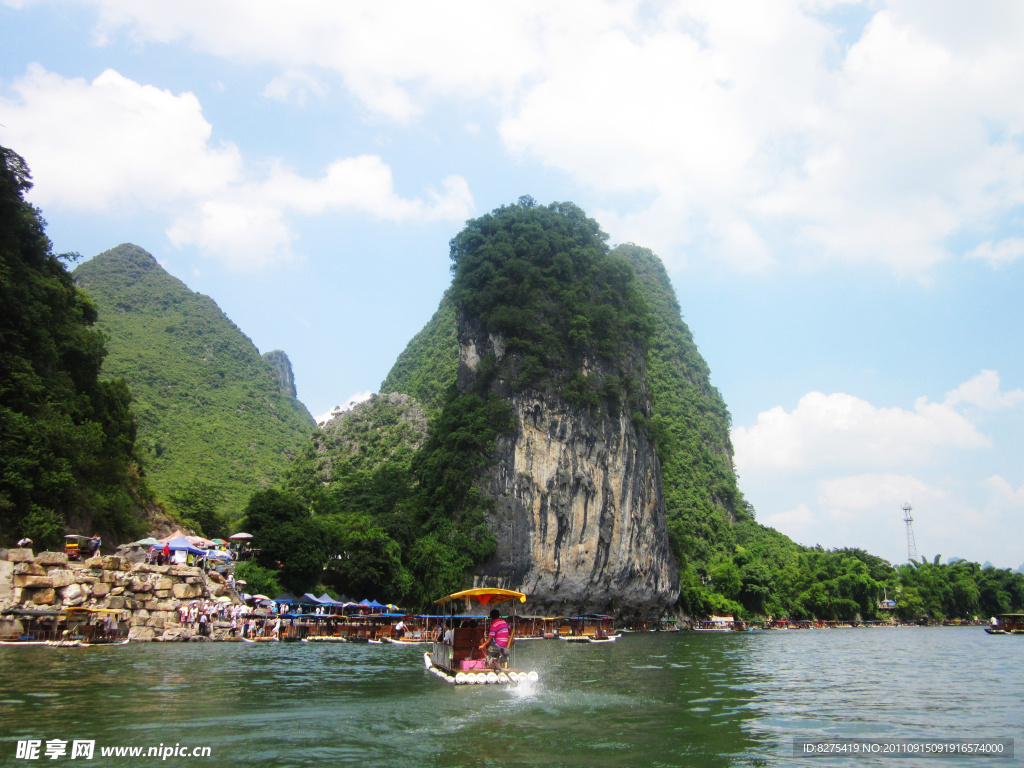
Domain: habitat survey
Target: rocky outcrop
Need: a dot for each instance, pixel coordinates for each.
(579, 513)
(282, 367)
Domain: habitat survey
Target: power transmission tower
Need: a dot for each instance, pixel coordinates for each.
(911, 543)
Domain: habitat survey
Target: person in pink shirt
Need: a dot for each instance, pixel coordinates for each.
(497, 642)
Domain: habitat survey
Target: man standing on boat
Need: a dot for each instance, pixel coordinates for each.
(497, 641)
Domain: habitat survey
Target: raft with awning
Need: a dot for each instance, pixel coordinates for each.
(456, 657)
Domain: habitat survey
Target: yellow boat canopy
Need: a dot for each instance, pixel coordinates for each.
(484, 596)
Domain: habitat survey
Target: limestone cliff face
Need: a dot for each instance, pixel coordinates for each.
(283, 369)
(579, 513)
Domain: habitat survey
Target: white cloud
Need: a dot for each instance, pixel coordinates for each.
(852, 497)
(843, 429)
(353, 400)
(246, 225)
(294, 84)
(1002, 493)
(794, 522)
(114, 144)
(998, 254)
(243, 234)
(983, 392)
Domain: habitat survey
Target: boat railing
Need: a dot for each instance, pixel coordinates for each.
(442, 655)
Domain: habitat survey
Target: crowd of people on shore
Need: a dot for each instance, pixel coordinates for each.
(200, 616)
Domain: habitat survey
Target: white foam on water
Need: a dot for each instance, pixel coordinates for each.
(525, 689)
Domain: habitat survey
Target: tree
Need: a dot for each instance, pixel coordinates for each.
(67, 440)
(364, 560)
(258, 580)
(909, 604)
(290, 540)
(198, 503)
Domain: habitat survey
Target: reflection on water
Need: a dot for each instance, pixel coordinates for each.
(660, 700)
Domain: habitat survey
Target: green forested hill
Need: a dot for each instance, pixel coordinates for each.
(212, 413)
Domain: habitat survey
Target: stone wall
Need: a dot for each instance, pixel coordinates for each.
(148, 595)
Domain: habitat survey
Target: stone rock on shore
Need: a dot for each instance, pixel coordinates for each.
(29, 569)
(33, 582)
(61, 577)
(141, 634)
(51, 558)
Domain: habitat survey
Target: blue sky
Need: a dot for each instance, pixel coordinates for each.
(835, 187)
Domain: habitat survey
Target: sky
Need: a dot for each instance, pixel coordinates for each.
(836, 189)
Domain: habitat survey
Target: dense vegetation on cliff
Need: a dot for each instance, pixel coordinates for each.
(215, 419)
(689, 421)
(67, 439)
(426, 369)
(542, 280)
(365, 512)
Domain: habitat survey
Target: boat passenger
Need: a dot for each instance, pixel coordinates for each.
(497, 641)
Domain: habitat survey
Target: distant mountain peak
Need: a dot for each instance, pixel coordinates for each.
(209, 407)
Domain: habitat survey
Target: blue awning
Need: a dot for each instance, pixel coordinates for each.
(181, 543)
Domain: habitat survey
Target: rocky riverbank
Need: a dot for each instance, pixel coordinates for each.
(148, 596)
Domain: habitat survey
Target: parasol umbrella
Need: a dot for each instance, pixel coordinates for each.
(260, 597)
(149, 541)
(238, 536)
(240, 582)
(223, 599)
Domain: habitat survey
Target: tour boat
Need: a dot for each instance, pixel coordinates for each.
(1007, 624)
(460, 662)
(408, 641)
(588, 628)
(68, 627)
(715, 624)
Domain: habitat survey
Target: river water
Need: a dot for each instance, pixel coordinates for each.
(671, 699)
